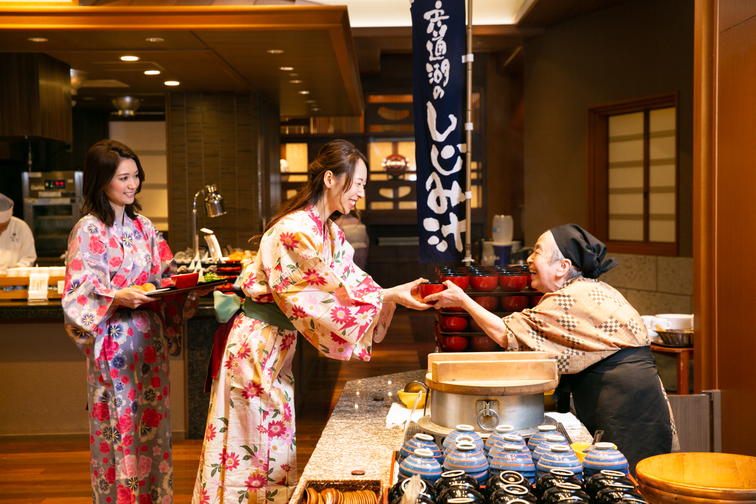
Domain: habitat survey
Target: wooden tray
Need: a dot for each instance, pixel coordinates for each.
(167, 291)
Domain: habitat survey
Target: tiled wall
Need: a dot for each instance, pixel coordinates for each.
(230, 140)
(654, 284)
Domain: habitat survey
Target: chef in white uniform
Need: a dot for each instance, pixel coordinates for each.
(16, 240)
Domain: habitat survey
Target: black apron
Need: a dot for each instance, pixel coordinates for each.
(622, 395)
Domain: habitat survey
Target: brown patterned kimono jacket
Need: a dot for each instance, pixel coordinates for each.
(603, 356)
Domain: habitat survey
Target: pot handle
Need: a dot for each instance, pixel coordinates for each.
(488, 412)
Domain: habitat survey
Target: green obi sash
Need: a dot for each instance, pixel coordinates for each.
(227, 305)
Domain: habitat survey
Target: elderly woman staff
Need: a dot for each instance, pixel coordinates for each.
(597, 338)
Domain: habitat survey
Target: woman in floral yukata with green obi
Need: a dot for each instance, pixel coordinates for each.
(125, 334)
(303, 279)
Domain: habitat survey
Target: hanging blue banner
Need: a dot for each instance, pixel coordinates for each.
(438, 89)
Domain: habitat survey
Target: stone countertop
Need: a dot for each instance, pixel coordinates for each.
(356, 437)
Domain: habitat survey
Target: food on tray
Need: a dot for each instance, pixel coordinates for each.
(238, 255)
(148, 287)
(211, 277)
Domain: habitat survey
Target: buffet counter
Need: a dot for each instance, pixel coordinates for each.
(356, 438)
(43, 374)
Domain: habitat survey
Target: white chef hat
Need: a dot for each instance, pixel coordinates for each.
(6, 208)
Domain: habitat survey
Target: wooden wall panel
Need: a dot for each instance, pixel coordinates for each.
(725, 173)
(216, 138)
(736, 220)
(35, 97)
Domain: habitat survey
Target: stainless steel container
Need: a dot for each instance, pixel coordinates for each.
(487, 389)
(523, 412)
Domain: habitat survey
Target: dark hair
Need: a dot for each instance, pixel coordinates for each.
(340, 158)
(100, 166)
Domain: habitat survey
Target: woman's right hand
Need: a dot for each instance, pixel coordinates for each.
(407, 295)
(131, 297)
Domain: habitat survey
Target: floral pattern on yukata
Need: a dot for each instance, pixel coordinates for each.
(127, 356)
(249, 452)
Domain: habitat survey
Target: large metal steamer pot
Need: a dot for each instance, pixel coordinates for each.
(487, 390)
(485, 412)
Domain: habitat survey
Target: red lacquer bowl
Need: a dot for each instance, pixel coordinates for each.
(428, 288)
(514, 303)
(461, 281)
(484, 283)
(490, 303)
(454, 343)
(483, 344)
(513, 282)
(452, 324)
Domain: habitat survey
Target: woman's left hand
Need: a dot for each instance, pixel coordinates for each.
(407, 295)
(205, 291)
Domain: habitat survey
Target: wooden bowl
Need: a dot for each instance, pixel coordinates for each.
(673, 478)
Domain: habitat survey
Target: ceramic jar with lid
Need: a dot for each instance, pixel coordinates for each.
(552, 478)
(460, 495)
(604, 456)
(512, 439)
(560, 457)
(423, 463)
(449, 479)
(565, 492)
(467, 457)
(601, 480)
(618, 492)
(498, 482)
(421, 499)
(538, 437)
(426, 489)
(421, 440)
(547, 443)
(498, 433)
(463, 430)
(511, 493)
(512, 458)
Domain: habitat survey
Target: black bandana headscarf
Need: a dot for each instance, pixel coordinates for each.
(584, 250)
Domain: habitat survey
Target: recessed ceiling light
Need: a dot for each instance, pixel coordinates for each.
(287, 69)
(309, 101)
(315, 109)
(129, 58)
(152, 72)
(295, 81)
(304, 92)
(37, 39)
(172, 83)
(154, 39)
(275, 51)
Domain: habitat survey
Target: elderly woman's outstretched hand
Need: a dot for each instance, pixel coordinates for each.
(450, 297)
(407, 295)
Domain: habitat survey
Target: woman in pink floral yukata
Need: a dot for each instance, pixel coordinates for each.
(303, 279)
(125, 334)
